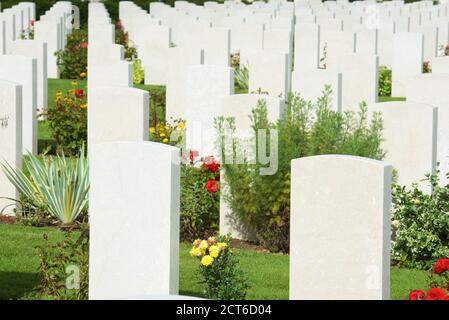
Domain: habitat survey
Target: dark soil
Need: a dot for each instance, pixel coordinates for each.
(7, 219)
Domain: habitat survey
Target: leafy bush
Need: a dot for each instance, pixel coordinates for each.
(72, 60)
(262, 202)
(57, 186)
(219, 269)
(59, 266)
(68, 120)
(384, 82)
(422, 225)
(426, 67)
(200, 197)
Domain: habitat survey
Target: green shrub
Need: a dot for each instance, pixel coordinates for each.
(262, 202)
(58, 262)
(122, 38)
(72, 60)
(221, 276)
(422, 225)
(384, 82)
(138, 72)
(68, 120)
(57, 186)
(200, 199)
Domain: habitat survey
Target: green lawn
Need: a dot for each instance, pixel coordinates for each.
(267, 273)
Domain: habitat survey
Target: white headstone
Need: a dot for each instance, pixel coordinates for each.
(10, 140)
(23, 70)
(340, 228)
(410, 139)
(117, 114)
(133, 254)
(408, 50)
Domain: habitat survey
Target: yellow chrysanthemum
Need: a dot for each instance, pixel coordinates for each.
(222, 245)
(162, 135)
(203, 245)
(83, 106)
(196, 252)
(83, 75)
(152, 130)
(207, 261)
(214, 251)
(181, 125)
(211, 240)
(197, 242)
(59, 93)
(165, 140)
(74, 83)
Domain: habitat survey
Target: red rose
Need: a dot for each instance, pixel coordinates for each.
(79, 93)
(212, 186)
(211, 164)
(441, 265)
(193, 154)
(416, 295)
(32, 22)
(436, 294)
(217, 177)
(84, 45)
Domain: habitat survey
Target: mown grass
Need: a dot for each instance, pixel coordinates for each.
(268, 273)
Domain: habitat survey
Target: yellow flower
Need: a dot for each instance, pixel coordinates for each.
(196, 252)
(83, 75)
(214, 251)
(207, 261)
(71, 91)
(165, 140)
(197, 242)
(181, 125)
(203, 245)
(74, 83)
(222, 245)
(83, 106)
(59, 93)
(211, 240)
(162, 135)
(152, 130)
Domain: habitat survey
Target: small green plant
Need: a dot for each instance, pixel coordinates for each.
(72, 60)
(421, 221)
(138, 72)
(64, 267)
(68, 120)
(384, 82)
(221, 276)
(241, 77)
(58, 186)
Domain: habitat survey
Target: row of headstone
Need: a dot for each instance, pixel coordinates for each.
(23, 89)
(122, 251)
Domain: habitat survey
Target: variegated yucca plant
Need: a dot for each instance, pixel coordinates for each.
(58, 184)
(241, 77)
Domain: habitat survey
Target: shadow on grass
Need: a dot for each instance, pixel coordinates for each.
(15, 285)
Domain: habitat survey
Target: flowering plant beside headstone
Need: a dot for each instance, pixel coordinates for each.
(68, 120)
(72, 61)
(438, 283)
(219, 270)
(200, 196)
